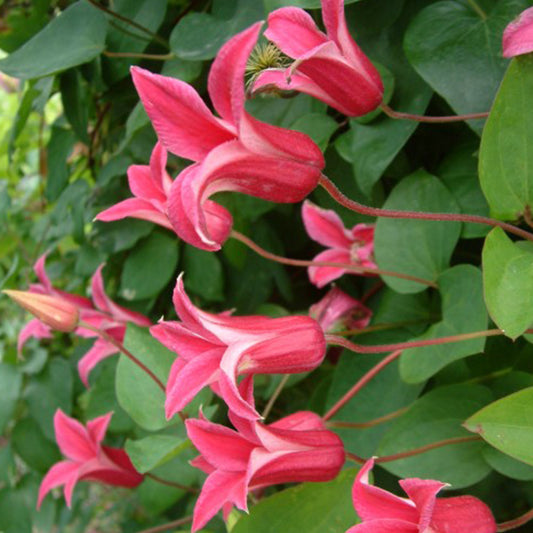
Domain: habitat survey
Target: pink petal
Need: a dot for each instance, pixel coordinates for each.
(40, 271)
(218, 489)
(100, 350)
(322, 275)
(384, 525)
(300, 421)
(73, 439)
(158, 164)
(143, 185)
(294, 31)
(62, 473)
(226, 77)
(135, 208)
(518, 35)
(423, 493)
(97, 428)
(245, 426)
(34, 328)
(462, 513)
(115, 468)
(373, 503)
(325, 226)
(182, 121)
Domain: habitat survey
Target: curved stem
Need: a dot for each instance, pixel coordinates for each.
(339, 424)
(431, 120)
(157, 57)
(171, 483)
(360, 384)
(379, 327)
(168, 525)
(132, 23)
(343, 200)
(516, 522)
(359, 348)
(275, 395)
(104, 335)
(303, 263)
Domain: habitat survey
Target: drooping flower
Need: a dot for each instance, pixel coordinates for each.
(338, 310)
(422, 512)
(354, 246)
(330, 67)
(150, 185)
(86, 458)
(518, 36)
(215, 349)
(296, 448)
(235, 152)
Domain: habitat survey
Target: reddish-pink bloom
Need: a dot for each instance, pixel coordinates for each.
(383, 512)
(87, 459)
(150, 184)
(352, 247)
(233, 153)
(518, 36)
(330, 67)
(215, 349)
(294, 449)
(338, 311)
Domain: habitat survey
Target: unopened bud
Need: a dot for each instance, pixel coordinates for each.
(55, 312)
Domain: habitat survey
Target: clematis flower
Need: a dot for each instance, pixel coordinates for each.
(354, 246)
(150, 184)
(233, 152)
(330, 67)
(421, 512)
(337, 311)
(518, 36)
(294, 449)
(87, 459)
(215, 349)
(104, 314)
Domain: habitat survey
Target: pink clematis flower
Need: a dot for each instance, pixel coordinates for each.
(354, 246)
(421, 512)
(235, 152)
(215, 349)
(330, 67)
(104, 314)
(338, 311)
(87, 459)
(294, 449)
(150, 184)
(518, 36)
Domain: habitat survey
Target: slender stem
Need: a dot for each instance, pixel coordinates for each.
(157, 57)
(171, 483)
(359, 348)
(477, 8)
(168, 525)
(130, 22)
(371, 423)
(303, 263)
(125, 351)
(516, 522)
(355, 458)
(378, 327)
(334, 192)
(432, 120)
(275, 395)
(361, 383)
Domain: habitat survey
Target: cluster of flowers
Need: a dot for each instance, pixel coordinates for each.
(236, 152)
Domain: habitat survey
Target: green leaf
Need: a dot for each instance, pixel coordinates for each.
(149, 267)
(75, 98)
(10, 385)
(437, 416)
(508, 283)
(458, 52)
(76, 36)
(463, 311)
(151, 452)
(310, 507)
(137, 392)
(416, 247)
(59, 148)
(203, 274)
(120, 235)
(507, 425)
(318, 126)
(505, 160)
(506, 465)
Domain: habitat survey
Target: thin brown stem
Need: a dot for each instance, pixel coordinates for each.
(361, 383)
(343, 200)
(168, 525)
(275, 395)
(132, 23)
(382, 348)
(104, 335)
(431, 120)
(355, 458)
(168, 483)
(339, 424)
(156, 57)
(303, 263)
(378, 327)
(516, 522)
